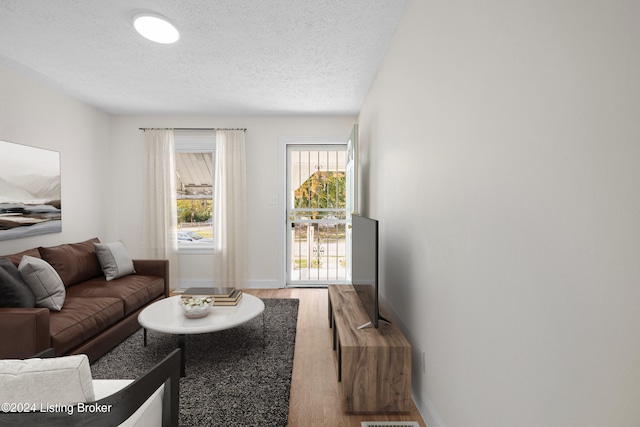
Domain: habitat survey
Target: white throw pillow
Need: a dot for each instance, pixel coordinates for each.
(57, 380)
(114, 260)
(44, 281)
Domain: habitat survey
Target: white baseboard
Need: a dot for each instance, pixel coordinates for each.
(265, 284)
(429, 414)
(427, 411)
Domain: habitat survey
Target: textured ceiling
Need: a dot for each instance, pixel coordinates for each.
(234, 57)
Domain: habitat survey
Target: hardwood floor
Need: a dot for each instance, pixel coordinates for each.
(315, 397)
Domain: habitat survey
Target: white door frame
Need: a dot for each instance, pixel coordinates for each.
(284, 142)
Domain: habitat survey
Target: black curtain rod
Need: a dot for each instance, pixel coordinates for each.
(242, 129)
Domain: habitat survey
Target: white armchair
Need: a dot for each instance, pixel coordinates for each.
(52, 391)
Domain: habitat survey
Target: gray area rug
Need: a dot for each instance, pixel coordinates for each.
(238, 377)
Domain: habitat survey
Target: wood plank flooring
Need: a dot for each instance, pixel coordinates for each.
(315, 400)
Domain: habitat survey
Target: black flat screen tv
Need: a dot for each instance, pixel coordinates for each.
(364, 266)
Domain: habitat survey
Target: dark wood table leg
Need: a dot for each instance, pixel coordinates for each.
(182, 354)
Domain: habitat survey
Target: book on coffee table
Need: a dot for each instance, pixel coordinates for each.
(234, 299)
(214, 292)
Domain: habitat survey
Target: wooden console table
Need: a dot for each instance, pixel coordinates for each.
(373, 365)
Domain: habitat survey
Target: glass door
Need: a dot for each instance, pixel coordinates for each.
(317, 196)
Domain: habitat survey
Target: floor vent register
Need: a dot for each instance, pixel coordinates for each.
(389, 424)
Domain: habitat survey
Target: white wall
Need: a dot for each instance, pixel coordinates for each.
(501, 142)
(32, 114)
(263, 182)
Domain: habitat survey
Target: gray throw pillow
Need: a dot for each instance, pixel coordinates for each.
(44, 281)
(114, 260)
(14, 292)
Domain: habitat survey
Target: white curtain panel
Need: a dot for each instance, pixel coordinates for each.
(160, 222)
(230, 210)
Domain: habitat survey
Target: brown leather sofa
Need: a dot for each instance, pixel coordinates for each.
(96, 314)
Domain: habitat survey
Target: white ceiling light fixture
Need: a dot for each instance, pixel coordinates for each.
(155, 28)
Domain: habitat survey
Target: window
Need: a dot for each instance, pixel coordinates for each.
(194, 185)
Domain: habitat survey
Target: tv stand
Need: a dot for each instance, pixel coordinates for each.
(373, 365)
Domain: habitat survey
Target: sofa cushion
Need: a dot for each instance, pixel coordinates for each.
(14, 291)
(114, 260)
(16, 258)
(44, 282)
(135, 290)
(74, 262)
(81, 319)
(58, 380)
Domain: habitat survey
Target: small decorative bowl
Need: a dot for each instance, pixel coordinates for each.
(195, 307)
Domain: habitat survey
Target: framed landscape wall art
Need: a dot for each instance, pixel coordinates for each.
(30, 196)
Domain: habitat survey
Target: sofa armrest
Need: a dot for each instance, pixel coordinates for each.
(24, 331)
(154, 267)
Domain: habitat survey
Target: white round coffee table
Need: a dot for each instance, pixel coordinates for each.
(166, 316)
